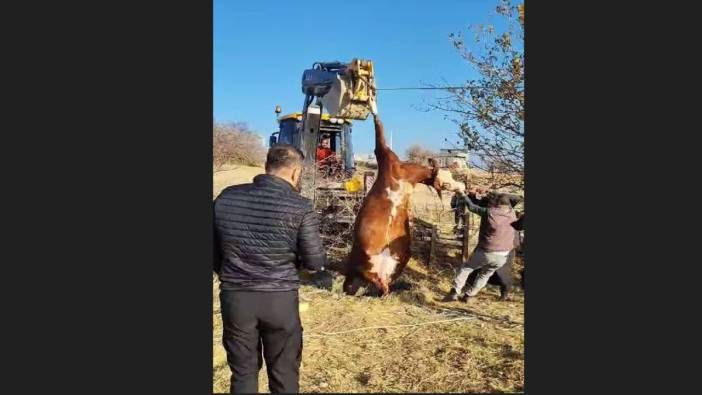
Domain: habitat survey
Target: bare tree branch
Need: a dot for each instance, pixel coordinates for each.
(490, 109)
(235, 143)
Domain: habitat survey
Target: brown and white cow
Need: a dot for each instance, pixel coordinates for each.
(381, 242)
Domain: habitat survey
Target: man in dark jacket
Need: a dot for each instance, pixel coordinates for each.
(263, 233)
(495, 241)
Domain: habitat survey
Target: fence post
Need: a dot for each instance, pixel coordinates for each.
(368, 180)
(466, 235)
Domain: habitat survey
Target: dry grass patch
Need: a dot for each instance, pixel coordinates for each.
(403, 343)
(407, 342)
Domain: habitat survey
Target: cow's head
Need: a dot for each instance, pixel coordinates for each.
(442, 179)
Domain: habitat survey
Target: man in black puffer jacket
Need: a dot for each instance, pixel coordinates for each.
(264, 232)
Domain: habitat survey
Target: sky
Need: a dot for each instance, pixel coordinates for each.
(262, 47)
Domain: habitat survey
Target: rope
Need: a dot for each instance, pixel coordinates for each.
(323, 334)
(423, 88)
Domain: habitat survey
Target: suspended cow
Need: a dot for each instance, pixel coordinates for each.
(381, 242)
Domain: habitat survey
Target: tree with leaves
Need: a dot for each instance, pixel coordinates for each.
(489, 110)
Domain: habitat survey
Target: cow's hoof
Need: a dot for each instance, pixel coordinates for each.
(466, 299)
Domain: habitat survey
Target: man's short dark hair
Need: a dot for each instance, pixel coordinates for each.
(504, 200)
(499, 199)
(283, 156)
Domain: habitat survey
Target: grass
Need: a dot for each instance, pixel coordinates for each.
(481, 352)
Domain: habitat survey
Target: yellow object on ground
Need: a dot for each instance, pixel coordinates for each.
(353, 185)
(304, 307)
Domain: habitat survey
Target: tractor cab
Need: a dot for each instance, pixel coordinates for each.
(338, 130)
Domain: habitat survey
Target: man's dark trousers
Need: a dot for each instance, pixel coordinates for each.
(262, 323)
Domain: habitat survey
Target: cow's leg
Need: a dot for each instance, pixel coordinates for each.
(384, 288)
(402, 248)
(402, 262)
(380, 287)
(380, 146)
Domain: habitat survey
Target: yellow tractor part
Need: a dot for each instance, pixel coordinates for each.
(351, 93)
(353, 185)
(325, 117)
(363, 72)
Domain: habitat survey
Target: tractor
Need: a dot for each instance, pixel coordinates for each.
(331, 172)
(344, 90)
